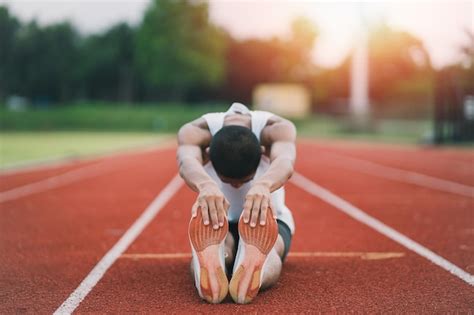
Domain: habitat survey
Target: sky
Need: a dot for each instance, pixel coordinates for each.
(439, 24)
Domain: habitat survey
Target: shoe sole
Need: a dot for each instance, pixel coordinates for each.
(257, 242)
(208, 245)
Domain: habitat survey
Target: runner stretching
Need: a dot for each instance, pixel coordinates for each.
(240, 228)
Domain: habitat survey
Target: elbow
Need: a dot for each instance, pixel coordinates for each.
(181, 169)
(291, 170)
(182, 133)
(289, 166)
(181, 173)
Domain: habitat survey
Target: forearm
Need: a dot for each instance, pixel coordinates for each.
(278, 173)
(194, 174)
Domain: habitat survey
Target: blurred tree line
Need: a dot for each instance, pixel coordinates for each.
(177, 54)
(172, 54)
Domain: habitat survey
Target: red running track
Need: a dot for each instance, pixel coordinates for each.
(51, 240)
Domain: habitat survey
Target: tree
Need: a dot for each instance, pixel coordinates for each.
(178, 48)
(298, 50)
(9, 27)
(254, 61)
(45, 62)
(251, 62)
(395, 57)
(107, 68)
(467, 65)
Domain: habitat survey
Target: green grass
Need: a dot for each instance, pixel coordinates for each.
(392, 131)
(23, 147)
(168, 117)
(90, 128)
(163, 117)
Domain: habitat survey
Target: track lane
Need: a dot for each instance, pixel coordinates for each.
(14, 179)
(442, 222)
(307, 284)
(447, 164)
(50, 241)
(325, 284)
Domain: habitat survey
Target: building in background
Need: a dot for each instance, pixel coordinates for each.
(288, 100)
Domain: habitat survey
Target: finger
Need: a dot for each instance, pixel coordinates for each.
(263, 211)
(194, 209)
(204, 212)
(226, 205)
(213, 214)
(272, 208)
(220, 211)
(255, 211)
(221, 217)
(247, 209)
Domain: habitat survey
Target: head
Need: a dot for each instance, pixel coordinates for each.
(235, 153)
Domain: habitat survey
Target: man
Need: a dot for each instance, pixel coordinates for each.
(238, 162)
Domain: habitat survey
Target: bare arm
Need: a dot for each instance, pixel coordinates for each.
(193, 138)
(279, 138)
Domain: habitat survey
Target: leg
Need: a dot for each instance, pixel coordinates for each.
(229, 252)
(278, 255)
(273, 265)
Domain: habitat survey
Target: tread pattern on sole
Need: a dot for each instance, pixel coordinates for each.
(253, 288)
(206, 289)
(202, 236)
(262, 237)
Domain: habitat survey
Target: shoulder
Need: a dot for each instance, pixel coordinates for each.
(195, 132)
(278, 129)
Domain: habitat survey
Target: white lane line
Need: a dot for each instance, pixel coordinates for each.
(361, 255)
(121, 246)
(359, 215)
(374, 169)
(157, 256)
(57, 181)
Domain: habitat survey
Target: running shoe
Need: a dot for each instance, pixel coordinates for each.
(208, 259)
(254, 246)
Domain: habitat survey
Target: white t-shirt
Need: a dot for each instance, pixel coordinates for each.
(236, 196)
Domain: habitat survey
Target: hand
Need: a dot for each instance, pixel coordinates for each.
(213, 205)
(256, 204)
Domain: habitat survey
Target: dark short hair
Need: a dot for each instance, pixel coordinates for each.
(235, 152)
